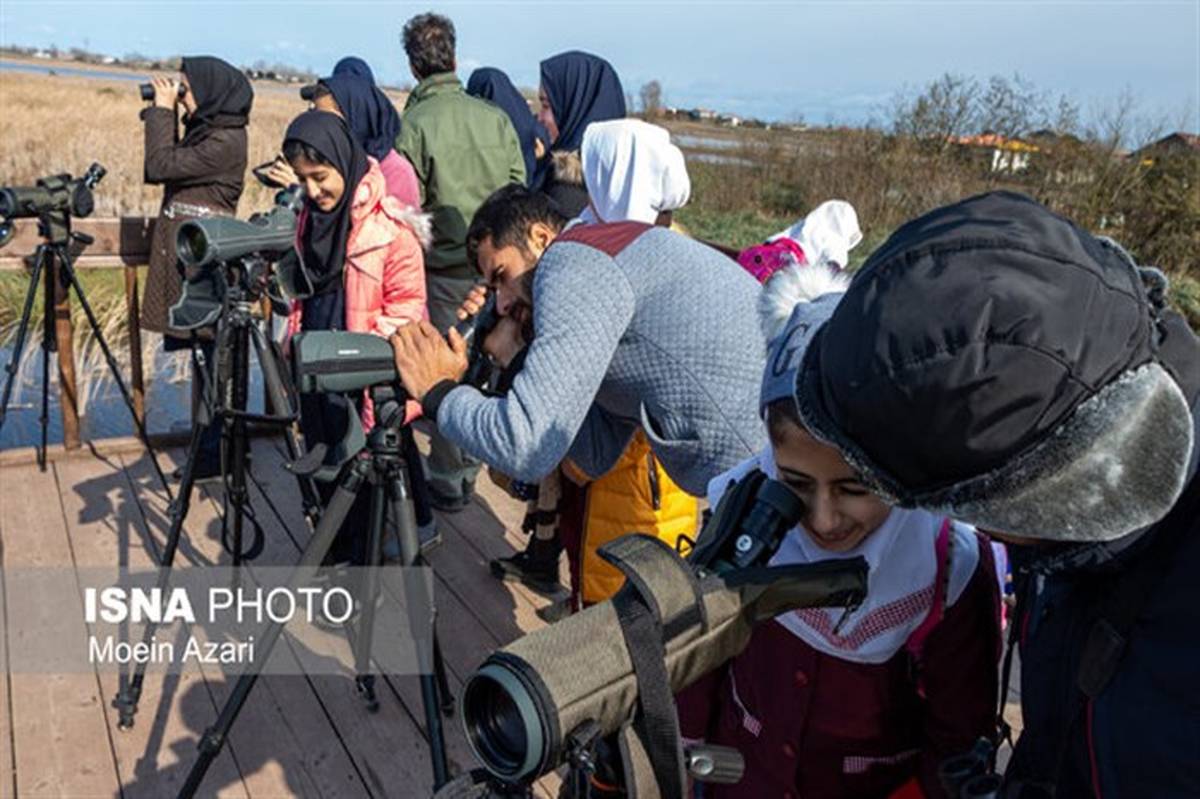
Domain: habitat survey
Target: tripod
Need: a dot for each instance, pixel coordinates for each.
(383, 469)
(225, 392)
(53, 259)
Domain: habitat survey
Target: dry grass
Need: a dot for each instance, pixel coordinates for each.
(51, 124)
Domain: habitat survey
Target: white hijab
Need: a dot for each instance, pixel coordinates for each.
(632, 171)
(827, 234)
(902, 558)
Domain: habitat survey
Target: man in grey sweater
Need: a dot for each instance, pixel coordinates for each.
(631, 326)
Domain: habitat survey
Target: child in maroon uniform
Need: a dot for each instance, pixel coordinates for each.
(869, 704)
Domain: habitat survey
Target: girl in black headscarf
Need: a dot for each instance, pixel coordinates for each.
(362, 252)
(488, 83)
(202, 174)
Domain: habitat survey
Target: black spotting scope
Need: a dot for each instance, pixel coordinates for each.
(332, 361)
(52, 193)
(200, 242)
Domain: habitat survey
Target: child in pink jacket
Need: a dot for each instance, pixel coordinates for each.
(361, 250)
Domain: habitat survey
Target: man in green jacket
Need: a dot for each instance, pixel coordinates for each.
(462, 149)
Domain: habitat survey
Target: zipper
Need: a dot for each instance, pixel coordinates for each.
(655, 491)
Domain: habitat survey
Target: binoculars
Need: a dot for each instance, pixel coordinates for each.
(147, 91)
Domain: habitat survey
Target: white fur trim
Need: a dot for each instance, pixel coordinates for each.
(790, 286)
(421, 224)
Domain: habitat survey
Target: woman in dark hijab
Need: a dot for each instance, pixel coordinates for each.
(353, 65)
(488, 83)
(374, 123)
(201, 172)
(576, 89)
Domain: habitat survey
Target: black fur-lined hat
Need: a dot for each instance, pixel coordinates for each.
(994, 362)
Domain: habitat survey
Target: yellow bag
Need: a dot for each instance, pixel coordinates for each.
(635, 496)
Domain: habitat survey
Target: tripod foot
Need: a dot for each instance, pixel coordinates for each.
(365, 684)
(126, 703)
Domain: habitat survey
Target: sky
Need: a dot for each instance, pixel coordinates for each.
(824, 62)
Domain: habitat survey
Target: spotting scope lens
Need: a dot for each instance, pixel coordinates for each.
(503, 726)
(8, 203)
(191, 244)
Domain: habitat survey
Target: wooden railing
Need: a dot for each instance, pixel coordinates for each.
(122, 243)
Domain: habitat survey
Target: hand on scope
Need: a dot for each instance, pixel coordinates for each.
(424, 358)
(281, 172)
(166, 91)
(474, 301)
(504, 341)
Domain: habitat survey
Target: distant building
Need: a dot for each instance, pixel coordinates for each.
(1008, 155)
(1178, 143)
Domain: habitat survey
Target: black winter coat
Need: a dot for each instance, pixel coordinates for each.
(1141, 735)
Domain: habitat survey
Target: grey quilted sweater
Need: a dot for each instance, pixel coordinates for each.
(633, 326)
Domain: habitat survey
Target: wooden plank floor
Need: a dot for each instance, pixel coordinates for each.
(305, 735)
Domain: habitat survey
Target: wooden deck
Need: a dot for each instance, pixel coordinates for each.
(303, 736)
(297, 735)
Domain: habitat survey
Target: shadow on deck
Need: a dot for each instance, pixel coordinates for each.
(303, 735)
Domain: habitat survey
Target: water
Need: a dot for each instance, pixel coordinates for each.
(131, 76)
(687, 141)
(74, 72)
(717, 158)
(168, 402)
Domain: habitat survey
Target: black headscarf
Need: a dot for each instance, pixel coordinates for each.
(494, 86)
(223, 96)
(324, 238)
(582, 88)
(368, 112)
(353, 65)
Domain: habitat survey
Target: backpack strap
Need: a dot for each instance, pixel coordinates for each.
(943, 550)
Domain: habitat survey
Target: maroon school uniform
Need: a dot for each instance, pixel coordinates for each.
(859, 711)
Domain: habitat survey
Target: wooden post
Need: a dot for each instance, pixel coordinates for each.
(68, 396)
(136, 377)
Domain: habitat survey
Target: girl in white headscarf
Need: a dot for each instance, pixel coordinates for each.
(633, 173)
(861, 703)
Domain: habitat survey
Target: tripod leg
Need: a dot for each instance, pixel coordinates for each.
(49, 344)
(280, 401)
(443, 681)
(236, 495)
(364, 680)
(67, 267)
(214, 737)
(427, 650)
(126, 701)
(19, 344)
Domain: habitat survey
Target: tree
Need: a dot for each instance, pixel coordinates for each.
(652, 99)
(945, 110)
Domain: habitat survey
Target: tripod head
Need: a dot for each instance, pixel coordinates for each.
(53, 200)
